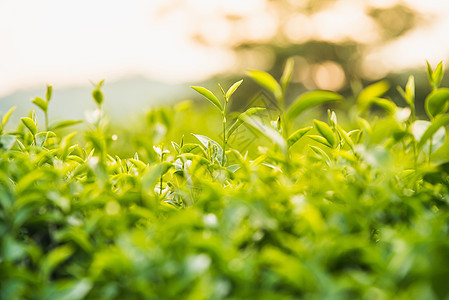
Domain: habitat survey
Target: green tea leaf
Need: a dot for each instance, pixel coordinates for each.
(209, 96)
(7, 116)
(48, 93)
(199, 158)
(233, 88)
(410, 91)
(430, 74)
(267, 81)
(54, 258)
(41, 138)
(320, 139)
(386, 104)
(151, 176)
(74, 289)
(310, 99)
(371, 92)
(233, 168)
(12, 249)
(295, 136)
(222, 91)
(326, 132)
(29, 123)
(188, 148)
(41, 103)
(266, 131)
(97, 94)
(73, 234)
(438, 75)
(75, 158)
(322, 154)
(332, 118)
(27, 181)
(437, 102)
(176, 146)
(287, 74)
(21, 145)
(63, 124)
(436, 124)
(208, 142)
(249, 112)
(345, 136)
(138, 164)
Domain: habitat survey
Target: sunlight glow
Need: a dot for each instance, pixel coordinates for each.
(329, 76)
(70, 43)
(53, 42)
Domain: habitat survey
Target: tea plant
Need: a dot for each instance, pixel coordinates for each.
(354, 206)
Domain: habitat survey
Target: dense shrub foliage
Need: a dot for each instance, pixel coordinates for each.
(326, 211)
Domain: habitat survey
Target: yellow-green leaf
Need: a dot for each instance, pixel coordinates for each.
(267, 81)
(54, 258)
(326, 132)
(346, 137)
(321, 153)
(372, 91)
(320, 139)
(209, 96)
(267, 131)
(29, 123)
(97, 94)
(386, 104)
(437, 102)
(63, 124)
(7, 116)
(233, 88)
(249, 112)
(48, 93)
(311, 99)
(287, 74)
(295, 136)
(436, 124)
(41, 103)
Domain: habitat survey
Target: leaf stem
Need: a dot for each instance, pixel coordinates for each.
(161, 179)
(46, 120)
(284, 125)
(224, 132)
(415, 158)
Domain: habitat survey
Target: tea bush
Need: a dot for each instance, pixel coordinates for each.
(332, 210)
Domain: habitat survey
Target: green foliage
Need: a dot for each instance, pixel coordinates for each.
(209, 96)
(297, 135)
(356, 210)
(6, 117)
(223, 109)
(30, 124)
(435, 76)
(310, 99)
(437, 102)
(41, 103)
(369, 95)
(97, 94)
(267, 81)
(326, 132)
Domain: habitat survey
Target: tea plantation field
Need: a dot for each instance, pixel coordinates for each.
(352, 204)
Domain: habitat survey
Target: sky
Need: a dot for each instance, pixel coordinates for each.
(68, 43)
(71, 42)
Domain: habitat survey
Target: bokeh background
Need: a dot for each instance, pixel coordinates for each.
(149, 52)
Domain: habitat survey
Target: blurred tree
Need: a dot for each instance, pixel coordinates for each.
(331, 40)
